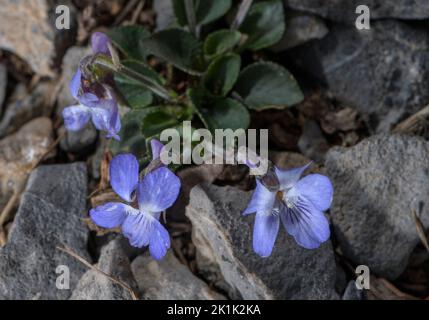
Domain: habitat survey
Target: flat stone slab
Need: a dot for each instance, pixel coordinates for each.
(345, 10)
(377, 184)
(382, 72)
(27, 28)
(50, 215)
(169, 279)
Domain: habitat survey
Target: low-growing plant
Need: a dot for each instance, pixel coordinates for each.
(137, 84)
(200, 72)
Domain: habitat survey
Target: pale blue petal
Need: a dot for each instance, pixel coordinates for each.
(159, 241)
(158, 190)
(76, 117)
(262, 200)
(316, 188)
(156, 147)
(88, 99)
(124, 175)
(106, 118)
(138, 228)
(99, 43)
(101, 118)
(110, 215)
(265, 233)
(75, 84)
(288, 178)
(306, 224)
(115, 124)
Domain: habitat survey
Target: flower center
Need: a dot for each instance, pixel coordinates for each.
(289, 203)
(281, 196)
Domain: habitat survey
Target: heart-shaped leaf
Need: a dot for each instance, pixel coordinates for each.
(206, 11)
(177, 47)
(264, 85)
(159, 118)
(264, 24)
(219, 113)
(220, 42)
(222, 74)
(157, 121)
(136, 96)
(129, 40)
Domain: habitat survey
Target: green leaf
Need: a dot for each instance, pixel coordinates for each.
(129, 39)
(264, 25)
(219, 113)
(143, 69)
(177, 47)
(157, 121)
(159, 118)
(220, 42)
(222, 74)
(264, 85)
(137, 95)
(132, 140)
(206, 11)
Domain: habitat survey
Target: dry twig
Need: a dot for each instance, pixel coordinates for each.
(70, 252)
(50, 149)
(420, 230)
(384, 290)
(177, 250)
(137, 12)
(410, 124)
(127, 9)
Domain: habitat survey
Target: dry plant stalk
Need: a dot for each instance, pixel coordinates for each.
(129, 7)
(70, 252)
(420, 230)
(410, 124)
(384, 290)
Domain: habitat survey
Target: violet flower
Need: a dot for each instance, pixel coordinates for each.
(298, 203)
(96, 102)
(156, 192)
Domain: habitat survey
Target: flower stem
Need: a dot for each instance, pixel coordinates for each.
(106, 63)
(149, 83)
(241, 14)
(190, 15)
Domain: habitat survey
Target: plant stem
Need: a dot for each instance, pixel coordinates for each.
(411, 123)
(241, 14)
(190, 15)
(147, 82)
(420, 230)
(119, 282)
(6, 214)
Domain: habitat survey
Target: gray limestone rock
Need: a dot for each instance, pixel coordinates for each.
(50, 215)
(168, 279)
(96, 286)
(382, 72)
(377, 184)
(345, 10)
